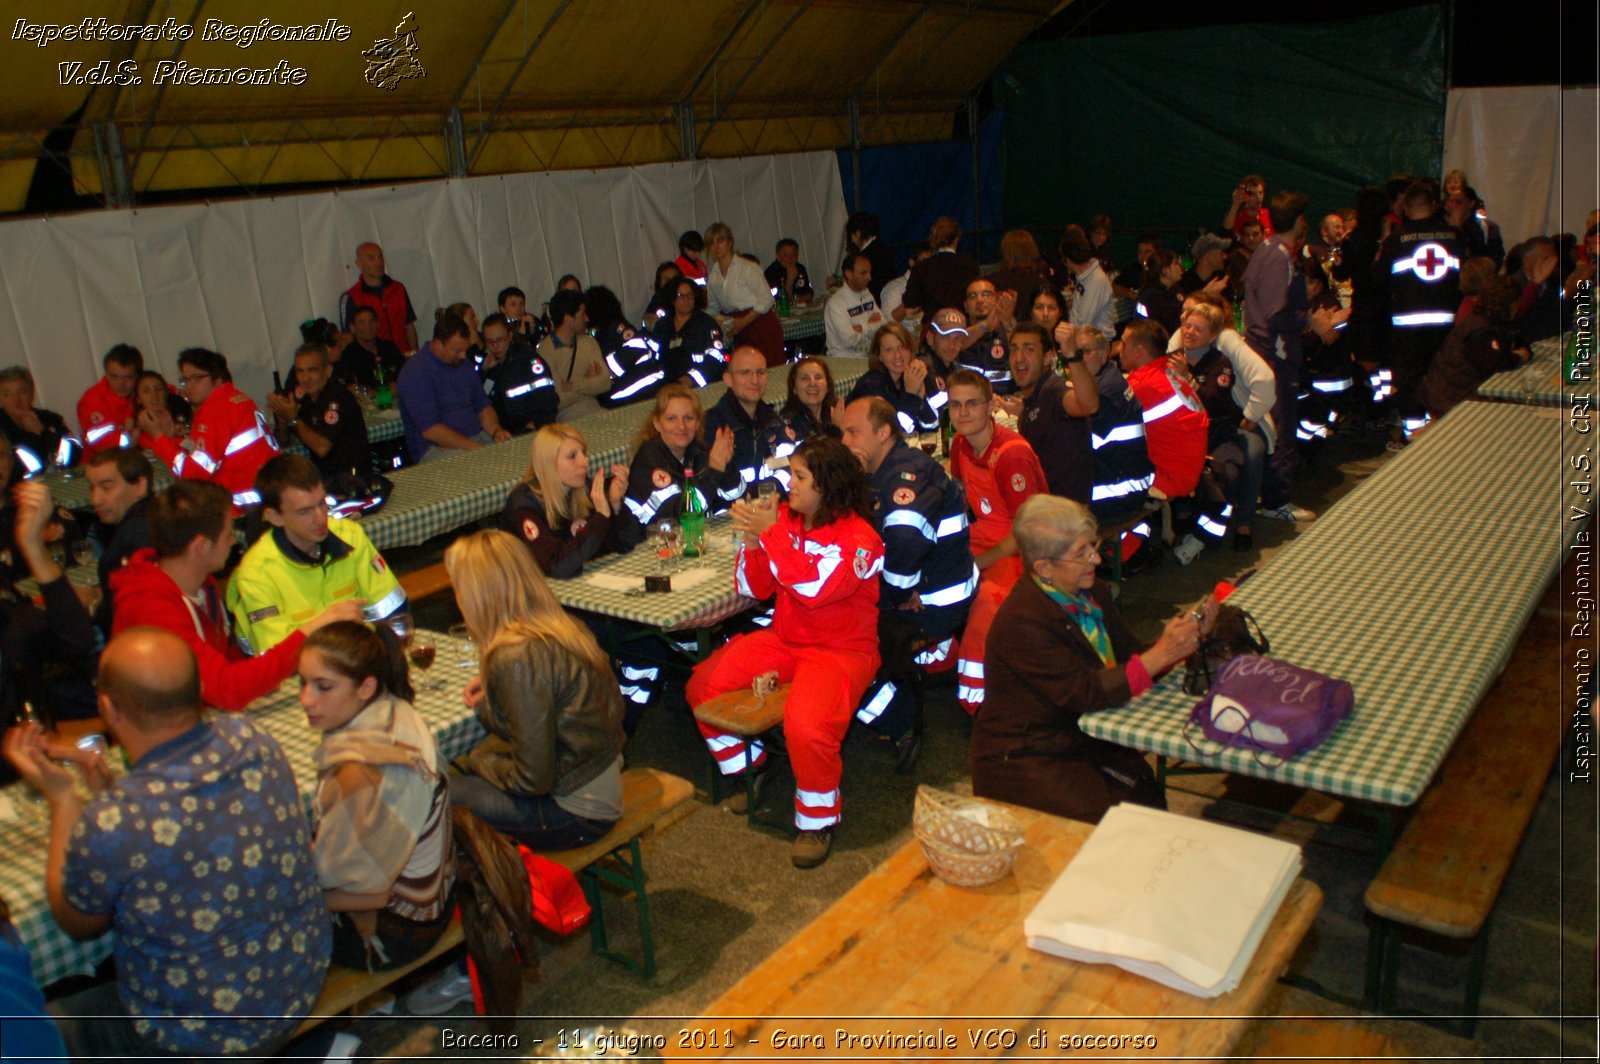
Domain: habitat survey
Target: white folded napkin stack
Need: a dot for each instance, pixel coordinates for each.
(1181, 901)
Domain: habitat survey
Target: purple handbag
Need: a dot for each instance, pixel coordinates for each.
(1270, 706)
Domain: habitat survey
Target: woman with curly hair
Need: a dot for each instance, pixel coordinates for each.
(818, 553)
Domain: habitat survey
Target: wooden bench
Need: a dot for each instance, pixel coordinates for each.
(429, 580)
(1446, 870)
(740, 713)
(649, 798)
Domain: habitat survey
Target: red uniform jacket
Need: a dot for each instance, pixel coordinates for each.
(997, 482)
(1175, 428)
(231, 444)
(826, 580)
(103, 417)
(143, 594)
(390, 307)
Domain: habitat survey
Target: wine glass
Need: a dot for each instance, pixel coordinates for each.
(421, 652)
(664, 537)
(466, 649)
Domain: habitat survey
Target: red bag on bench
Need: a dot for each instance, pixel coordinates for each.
(558, 901)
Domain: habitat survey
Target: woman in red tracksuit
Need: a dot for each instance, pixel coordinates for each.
(819, 553)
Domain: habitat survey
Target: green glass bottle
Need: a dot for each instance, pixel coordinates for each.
(692, 518)
(384, 398)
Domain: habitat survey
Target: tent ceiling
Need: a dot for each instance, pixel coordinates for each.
(538, 84)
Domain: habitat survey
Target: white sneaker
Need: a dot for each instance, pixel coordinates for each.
(1188, 550)
(1290, 512)
(440, 994)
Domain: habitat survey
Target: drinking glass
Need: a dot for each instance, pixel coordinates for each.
(767, 491)
(664, 538)
(466, 649)
(83, 554)
(402, 626)
(421, 652)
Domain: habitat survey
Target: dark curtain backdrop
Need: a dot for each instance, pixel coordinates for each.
(1156, 129)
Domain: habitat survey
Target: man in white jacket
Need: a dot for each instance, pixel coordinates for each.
(852, 316)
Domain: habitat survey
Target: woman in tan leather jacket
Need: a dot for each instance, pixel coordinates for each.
(549, 773)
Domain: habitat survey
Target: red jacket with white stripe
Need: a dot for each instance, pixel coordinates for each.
(231, 443)
(104, 417)
(997, 483)
(1175, 428)
(826, 580)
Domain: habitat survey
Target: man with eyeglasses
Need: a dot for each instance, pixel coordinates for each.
(990, 315)
(228, 440)
(756, 426)
(520, 385)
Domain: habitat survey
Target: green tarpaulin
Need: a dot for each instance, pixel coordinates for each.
(1156, 129)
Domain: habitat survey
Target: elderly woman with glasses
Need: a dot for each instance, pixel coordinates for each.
(1058, 649)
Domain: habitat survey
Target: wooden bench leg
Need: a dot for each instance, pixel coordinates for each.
(1378, 944)
(630, 876)
(1475, 966)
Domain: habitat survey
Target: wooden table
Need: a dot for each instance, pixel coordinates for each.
(907, 954)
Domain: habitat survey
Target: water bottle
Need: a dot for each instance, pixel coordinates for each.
(384, 399)
(692, 518)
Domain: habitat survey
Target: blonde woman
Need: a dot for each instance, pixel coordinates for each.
(565, 518)
(549, 774)
(737, 288)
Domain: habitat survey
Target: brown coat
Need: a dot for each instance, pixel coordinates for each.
(1041, 674)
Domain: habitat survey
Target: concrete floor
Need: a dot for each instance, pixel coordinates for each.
(724, 896)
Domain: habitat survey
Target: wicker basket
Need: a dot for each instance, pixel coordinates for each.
(968, 842)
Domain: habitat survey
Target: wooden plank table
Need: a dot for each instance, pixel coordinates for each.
(905, 954)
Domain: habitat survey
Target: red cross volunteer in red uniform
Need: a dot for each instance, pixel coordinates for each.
(999, 471)
(820, 555)
(106, 411)
(228, 441)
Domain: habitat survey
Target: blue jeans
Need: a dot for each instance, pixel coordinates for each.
(537, 822)
(1243, 463)
(434, 452)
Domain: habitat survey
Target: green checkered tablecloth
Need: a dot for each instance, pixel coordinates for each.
(804, 322)
(74, 493)
(1539, 381)
(448, 493)
(55, 955)
(711, 599)
(1414, 588)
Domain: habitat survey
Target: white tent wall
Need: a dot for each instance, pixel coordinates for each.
(1530, 152)
(240, 276)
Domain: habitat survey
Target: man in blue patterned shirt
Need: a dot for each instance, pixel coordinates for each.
(199, 858)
